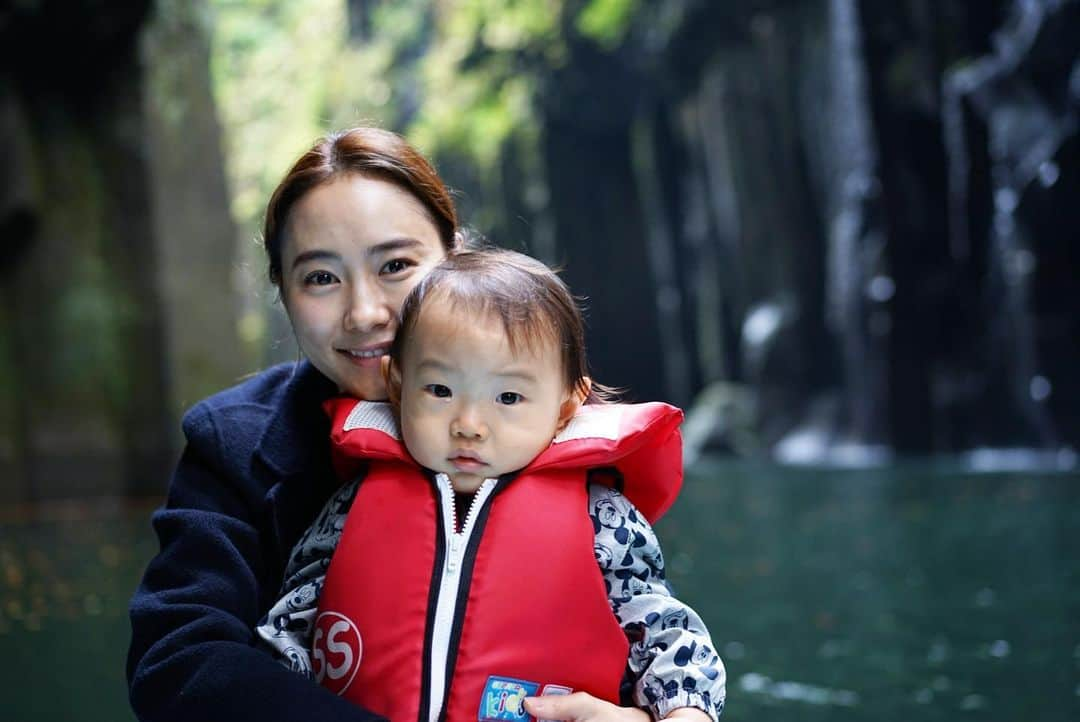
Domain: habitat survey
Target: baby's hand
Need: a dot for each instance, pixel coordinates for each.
(583, 707)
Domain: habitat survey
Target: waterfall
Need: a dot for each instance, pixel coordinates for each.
(1002, 98)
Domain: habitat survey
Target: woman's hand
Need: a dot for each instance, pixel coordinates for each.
(582, 707)
(688, 713)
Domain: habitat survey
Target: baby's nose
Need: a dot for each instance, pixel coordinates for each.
(468, 425)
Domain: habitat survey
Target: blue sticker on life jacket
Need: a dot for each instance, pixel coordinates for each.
(502, 699)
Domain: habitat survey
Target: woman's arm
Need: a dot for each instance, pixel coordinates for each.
(192, 654)
(671, 653)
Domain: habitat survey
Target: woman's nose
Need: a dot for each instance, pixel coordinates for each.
(367, 310)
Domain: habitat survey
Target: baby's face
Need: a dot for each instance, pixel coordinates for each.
(472, 408)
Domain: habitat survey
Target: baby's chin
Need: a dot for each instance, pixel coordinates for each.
(466, 483)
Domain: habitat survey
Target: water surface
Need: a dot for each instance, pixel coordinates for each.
(914, 593)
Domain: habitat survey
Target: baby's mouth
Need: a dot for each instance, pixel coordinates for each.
(467, 461)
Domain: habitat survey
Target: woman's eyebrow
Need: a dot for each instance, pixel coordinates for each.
(315, 255)
(394, 244)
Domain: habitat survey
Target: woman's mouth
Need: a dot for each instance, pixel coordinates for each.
(366, 357)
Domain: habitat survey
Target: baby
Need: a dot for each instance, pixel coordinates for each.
(551, 581)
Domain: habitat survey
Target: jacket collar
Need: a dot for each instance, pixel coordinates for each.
(297, 437)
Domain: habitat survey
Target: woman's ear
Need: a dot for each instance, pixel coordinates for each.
(573, 402)
(392, 378)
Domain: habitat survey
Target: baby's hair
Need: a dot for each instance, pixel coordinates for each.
(531, 301)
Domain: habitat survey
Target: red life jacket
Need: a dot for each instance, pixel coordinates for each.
(417, 622)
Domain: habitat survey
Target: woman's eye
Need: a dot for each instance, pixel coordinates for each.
(319, 278)
(510, 398)
(395, 266)
(438, 391)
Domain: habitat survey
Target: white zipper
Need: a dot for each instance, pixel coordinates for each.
(449, 582)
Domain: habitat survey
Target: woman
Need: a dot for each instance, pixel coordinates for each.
(352, 227)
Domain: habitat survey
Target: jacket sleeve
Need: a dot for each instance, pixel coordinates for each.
(672, 658)
(192, 654)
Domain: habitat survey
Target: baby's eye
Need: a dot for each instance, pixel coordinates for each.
(438, 391)
(510, 398)
(395, 266)
(319, 278)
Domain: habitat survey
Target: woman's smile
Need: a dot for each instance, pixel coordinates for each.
(366, 356)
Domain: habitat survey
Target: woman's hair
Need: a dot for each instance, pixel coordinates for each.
(531, 301)
(369, 152)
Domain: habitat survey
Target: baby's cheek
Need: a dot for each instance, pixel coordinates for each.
(418, 441)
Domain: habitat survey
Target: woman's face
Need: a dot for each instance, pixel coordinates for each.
(353, 249)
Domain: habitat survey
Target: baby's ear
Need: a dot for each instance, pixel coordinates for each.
(392, 377)
(573, 402)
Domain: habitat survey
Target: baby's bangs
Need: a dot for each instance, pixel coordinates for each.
(525, 318)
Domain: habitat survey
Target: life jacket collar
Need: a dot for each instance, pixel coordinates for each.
(640, 441)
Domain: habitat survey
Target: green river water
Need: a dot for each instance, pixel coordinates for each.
(914, 593)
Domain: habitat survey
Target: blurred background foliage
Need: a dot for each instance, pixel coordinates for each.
(460, 80)
(837, 231)
(788, 189)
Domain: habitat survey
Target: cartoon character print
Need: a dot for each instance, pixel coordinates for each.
(607, 515)
(318, 542)
(285, 623)
(668, 646)
(654, 557)
(305, 596)
(298, 661)
(604, 556)
(291, 618)
(653, 689)
(633, 583)
(675, 618)
(286, 628)
(700, 656)
(617, 526)
(604, 559)
(332, 521)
